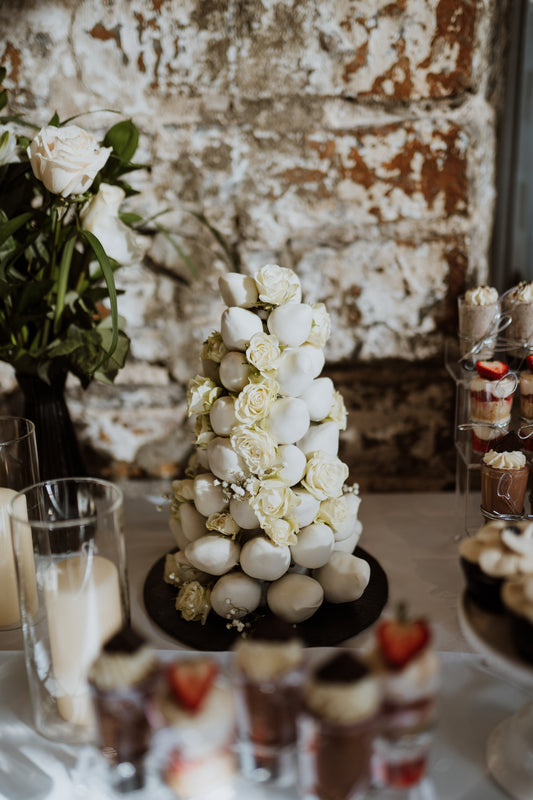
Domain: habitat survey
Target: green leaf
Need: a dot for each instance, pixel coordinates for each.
(107, 271)
(55, 121)
(62, 280)
(7, 229)
(123, 138)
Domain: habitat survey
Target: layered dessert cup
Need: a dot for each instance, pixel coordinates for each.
(492, 391)
(497, 552)
(518, 303)
(479, 311)
(526, 404)
(268, 675)
(122, 681)
(337, 728)
(486, 437)
(504, 479)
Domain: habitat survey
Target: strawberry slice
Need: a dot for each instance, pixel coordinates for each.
(401, 638)
(190, 681)
(491, 370)
(529, 362)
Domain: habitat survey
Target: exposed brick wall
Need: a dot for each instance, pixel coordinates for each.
(354, 142)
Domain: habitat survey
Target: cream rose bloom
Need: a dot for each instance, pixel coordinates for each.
(274, 499)
(203, 430)
(66, 159)
(255, 446)
(277, 285)
(222, 522)
(335, 511)
(321, 327)
(281, 531)
(183, 490)
(193, 602)
(201, 394)
(214, 348)
(263, 352)
(325, 475)
(255, 401)
(101, 217)
(337, 412)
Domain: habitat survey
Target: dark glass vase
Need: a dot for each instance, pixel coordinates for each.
(57, 442)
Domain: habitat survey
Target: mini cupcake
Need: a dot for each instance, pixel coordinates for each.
(504, 479)
(498, 551)
(517, 599)
(491, 393)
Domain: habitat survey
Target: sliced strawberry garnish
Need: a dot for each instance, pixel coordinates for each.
(401, 638)
(190, 681)
(529, 362)
(491, 370)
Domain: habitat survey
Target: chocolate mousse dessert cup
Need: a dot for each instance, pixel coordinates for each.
(504, 479)
(479, 312)
(122, 681)
(337, 729)
(268, 677)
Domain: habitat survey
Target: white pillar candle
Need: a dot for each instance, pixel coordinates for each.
(9, 601)
(83, 607)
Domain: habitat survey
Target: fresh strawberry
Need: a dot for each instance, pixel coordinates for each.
(401, 638)
(491, 370)
(529, 362)
(190, 681)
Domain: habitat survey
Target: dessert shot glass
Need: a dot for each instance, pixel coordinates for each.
(478, 325)
(503, 485)
(74, 598)
(491, 401)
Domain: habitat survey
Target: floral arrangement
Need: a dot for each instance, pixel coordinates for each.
(264, 513)
(62, 237)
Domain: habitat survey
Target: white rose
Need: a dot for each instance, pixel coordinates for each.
(256, 447)
(214, 349)
(193, 602)
(337, 412)
(222, 522)
(263, 352)
(201, 394)
(340, 513)
(8, 146)
(325, 475)
(182, 490)
(100, 216)
(274, 499)
(280, 531)
(66, 159)
(277, 285)
(321, 327)
(255, 400)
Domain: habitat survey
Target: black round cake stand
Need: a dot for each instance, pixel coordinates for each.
(332, 624)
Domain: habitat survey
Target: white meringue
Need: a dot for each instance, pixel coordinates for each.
(344, 578)
(319, 398)
(295, 371)
(314, 545)
(295, 597)
(234, 371)
(262, 559)
(224, 462)
(238, 290)
(321, 436)
(318, 359)
(288, 420)
(237, 326)
(290, 466)
(307, 508)
(213, 554)
(208, 494)
(192, 522)
(235, 595)
(243, 514)
(291, 323)
(222, 415)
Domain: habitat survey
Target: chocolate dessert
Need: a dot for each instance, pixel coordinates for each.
(268, 678)
(122, 680)
(504, 479)
(337, 728)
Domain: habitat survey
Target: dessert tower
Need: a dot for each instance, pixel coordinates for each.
(264, 519)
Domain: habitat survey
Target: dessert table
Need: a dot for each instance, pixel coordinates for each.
(414, 537)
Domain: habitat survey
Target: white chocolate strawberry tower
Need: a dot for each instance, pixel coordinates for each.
(264, 518)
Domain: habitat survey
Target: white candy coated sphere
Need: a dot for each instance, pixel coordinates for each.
(234, 371)
(237, 326)
(201, 457)
(321, 436)
(192, 522)
(347, 545)
(307, 508)
(262, 559)
(348, 527)
(235, 595)
(318, 359)
(291, 323)
(177, 533)
(291, 464)
(224, 462)
(344, 578)
(295, 597)
(208, 496)
(314, 545)
(319, 397)
(243, 514)
(295, 371)
(222, 415)
(288, 420)
(213, 554)
(238, 290)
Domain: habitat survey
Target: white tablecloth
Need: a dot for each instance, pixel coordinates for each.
(414, 537)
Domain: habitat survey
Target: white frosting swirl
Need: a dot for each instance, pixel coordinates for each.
(517, 596)
(121, 670)
(501, 550)
(481, 296)
(265, 661)
(523, 293)
(505, 460)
